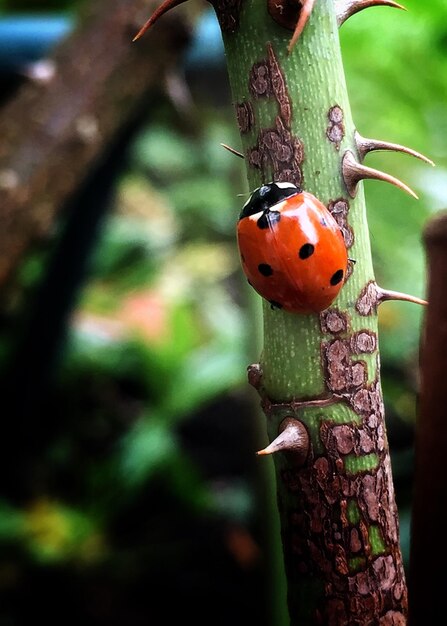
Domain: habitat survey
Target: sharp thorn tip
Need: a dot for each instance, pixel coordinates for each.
(354, 172)
(384, 295)
(165, 6)
(366, 145)
(232, 150)
(306, 10)
(346, 8)
(263, 452)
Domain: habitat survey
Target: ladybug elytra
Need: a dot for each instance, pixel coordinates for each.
(291, 248)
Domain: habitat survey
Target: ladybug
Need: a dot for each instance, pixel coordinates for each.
(291, 248)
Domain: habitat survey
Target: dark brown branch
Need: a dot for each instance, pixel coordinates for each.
(53, 133)
(428, 556)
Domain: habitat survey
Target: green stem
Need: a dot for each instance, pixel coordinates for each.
(339, 523)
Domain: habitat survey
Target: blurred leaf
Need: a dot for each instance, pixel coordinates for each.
(205, 203)
(146, 448)
(56, 532)
(165, 153)
(207, 373)
(11, 522)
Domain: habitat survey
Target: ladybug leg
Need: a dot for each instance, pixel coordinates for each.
(306, 10)
(275, 306)
(162, 9)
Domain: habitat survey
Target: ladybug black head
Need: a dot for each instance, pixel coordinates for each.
(266, 196)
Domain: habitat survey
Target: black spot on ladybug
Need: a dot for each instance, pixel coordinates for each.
(306, 251)
(336, 278)
(268, 219)
(274, 305)
(265, 269)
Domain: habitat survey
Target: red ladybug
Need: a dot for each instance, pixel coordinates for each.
(291, 248)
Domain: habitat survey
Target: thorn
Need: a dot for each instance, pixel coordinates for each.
(346, 8)
(232, 150)
(166, 6)
(306, 10)
(365, 145)
(292, 437)
(384, 294)
(354, 172)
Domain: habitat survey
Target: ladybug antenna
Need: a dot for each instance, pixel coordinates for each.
(232, 150)
(365, 145)
(166, 6)
(306, 9)
(354, 172)
(345, 8)
(293, 437)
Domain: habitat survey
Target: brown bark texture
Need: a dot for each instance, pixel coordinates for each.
(428, 552)
(52, 133)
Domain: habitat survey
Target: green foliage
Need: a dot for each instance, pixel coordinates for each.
(398, 94)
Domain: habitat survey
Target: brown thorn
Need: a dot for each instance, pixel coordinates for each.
(384, 294)
(346, 8)
(306, 10)
(365, 145)
(232, 150)
(166, 6)
(354, 172)
(293, 437)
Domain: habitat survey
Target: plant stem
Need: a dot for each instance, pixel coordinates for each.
(339, 523)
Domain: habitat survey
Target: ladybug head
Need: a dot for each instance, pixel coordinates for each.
(265, 197)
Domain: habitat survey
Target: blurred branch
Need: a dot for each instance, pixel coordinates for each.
(54, 132)
(428, 547)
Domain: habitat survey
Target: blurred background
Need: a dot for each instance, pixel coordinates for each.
(131, 493)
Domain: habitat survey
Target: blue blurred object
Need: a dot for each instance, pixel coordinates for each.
(25, 39)
(207, 47)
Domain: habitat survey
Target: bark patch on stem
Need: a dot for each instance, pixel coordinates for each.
(336, 130)
(334, 321)
(279, 152)
(339, 209)
(245, 116)
(279, 87)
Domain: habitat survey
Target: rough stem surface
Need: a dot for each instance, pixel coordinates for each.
(339, 520)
